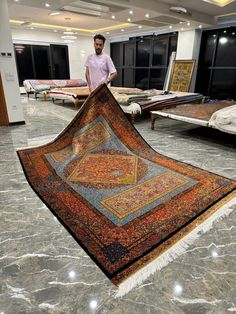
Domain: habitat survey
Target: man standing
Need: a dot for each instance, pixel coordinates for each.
(99, 66)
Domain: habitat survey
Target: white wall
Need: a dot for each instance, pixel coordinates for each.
(78, 51)
(8, 68)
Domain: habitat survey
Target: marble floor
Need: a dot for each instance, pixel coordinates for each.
(43, 269)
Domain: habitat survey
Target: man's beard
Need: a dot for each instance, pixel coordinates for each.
(98, 51)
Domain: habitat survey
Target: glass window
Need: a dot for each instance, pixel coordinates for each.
(208, 46)
(157, 78)
(128, 78)
(160, 51)
(203, 81)
(129, 53)
(143, 52)
(226, 50)
(117, 54)
(223, 84)
(141, 78)
(41, 62)
(24, 62)
(118, 80)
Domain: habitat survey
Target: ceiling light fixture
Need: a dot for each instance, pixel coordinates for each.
(84, 9)
(69, 41)
(68, 33)
(113, 17)
(147, 15)
(53, 13)
(219, 3)
(140, 26)
(68, 37)
(129, 20)
(47, 5)
(131, 12)
(78, 29)
(26, 23)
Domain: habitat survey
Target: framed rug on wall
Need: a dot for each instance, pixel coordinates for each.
(181, 75)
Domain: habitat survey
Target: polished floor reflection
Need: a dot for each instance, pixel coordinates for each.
(43, 269)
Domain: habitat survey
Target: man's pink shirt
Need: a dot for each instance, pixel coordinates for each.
(100, 66)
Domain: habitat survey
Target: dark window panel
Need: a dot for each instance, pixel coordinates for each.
(143, 52)
(41, 62)
(60, 62)
(24, 62)
(117, 54)
(223, 84)
(157, 78)
(118, 81)
(142, 78)
(129, 53)
(128, 78)
(226, 50)
(160, 51)
(203, 81)
(172, 45)
(208, 46)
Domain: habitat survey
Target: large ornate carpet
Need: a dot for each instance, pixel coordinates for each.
(123, 202)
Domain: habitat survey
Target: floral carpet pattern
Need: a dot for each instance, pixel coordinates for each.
(123, 202)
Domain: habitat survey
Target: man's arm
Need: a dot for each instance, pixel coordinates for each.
(111, 77)
(88, 79)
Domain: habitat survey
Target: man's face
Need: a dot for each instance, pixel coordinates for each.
(98, 45)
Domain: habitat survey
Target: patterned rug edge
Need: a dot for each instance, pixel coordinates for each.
(205, 222)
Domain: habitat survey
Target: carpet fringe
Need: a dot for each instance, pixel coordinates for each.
(173, 252)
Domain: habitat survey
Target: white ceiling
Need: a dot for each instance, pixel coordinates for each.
(161, 18)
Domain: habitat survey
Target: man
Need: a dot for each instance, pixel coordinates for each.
(99, 66)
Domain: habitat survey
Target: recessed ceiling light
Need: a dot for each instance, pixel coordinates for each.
(140, 26)
(68, 37)
(122, 30)
(53, 13)
(199, 26)
(182, 28)
(170, 26)
(31, 27)
(55, 30)
(188, 23)
(16, 0)
(225, 32)
(68, 41)
(147, 15)
(131, 12)
(219, 3)
(233, 33)
(113, 17)
(47, 5)
(129, 20)
(107, 33)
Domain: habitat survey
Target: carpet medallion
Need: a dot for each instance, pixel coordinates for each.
(123, 202)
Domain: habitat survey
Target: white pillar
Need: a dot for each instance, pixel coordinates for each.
(8, 68)
(188, 48)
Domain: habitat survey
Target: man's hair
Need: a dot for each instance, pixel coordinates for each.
(99, 36)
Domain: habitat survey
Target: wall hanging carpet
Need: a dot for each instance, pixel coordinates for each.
(131, 209)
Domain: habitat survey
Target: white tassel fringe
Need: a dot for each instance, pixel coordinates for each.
(174, 251)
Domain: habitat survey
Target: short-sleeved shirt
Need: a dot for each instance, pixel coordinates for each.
(100, 67)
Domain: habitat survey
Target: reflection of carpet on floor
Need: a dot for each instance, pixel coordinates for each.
(124, 203)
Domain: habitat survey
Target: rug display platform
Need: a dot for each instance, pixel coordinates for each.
(130, 208)
(219, 115)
